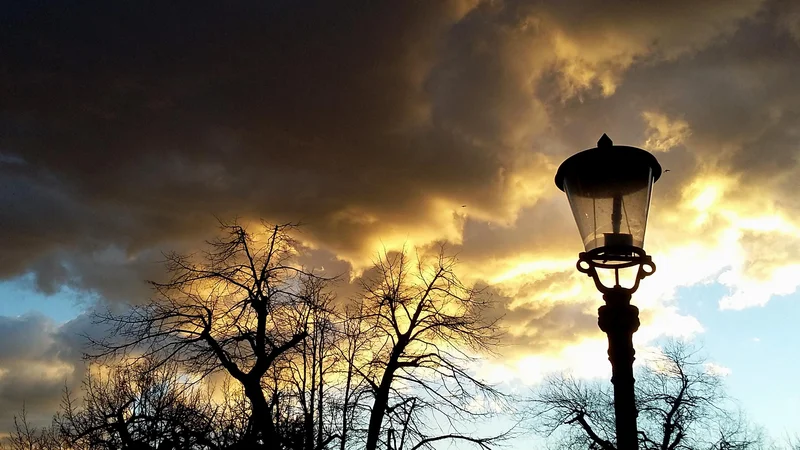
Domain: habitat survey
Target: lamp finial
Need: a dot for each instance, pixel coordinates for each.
(605, 141)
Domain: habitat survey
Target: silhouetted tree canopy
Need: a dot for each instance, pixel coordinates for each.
(242, 348)
(681, 401)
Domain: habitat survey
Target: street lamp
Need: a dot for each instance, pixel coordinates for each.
(608, 188)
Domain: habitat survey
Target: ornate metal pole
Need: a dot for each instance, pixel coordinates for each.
(619, 320)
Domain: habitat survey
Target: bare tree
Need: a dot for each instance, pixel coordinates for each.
(586, 408)
(231, 309)
(138, 407)
(424, 328)
(352, 346)
(299, 382)
(25, 436)
(681, 401)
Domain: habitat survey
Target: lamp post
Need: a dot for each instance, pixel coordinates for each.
(608, 188)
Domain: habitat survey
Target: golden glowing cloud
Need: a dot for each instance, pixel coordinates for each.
(664, 133)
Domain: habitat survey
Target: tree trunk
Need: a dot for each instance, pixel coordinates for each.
(308, 406)
(261, 418)
(382, 400)
(378, 411)
(320, 429)
(347, 386)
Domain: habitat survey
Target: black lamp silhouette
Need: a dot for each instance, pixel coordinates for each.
(608, 188)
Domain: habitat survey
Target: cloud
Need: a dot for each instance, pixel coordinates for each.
(623, 34)
(38, 359)
(127, 127)
(789, 20)
(369, 123)
(664, 133)
(716, 369)
(771, 267)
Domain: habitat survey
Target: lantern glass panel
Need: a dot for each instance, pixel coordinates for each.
(610, 206)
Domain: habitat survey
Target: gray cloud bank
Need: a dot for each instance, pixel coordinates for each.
(38, 359)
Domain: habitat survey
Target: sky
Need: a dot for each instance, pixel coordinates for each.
(127, 128)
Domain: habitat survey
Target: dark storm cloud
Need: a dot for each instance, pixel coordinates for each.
(147, 118)
(128, 125)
